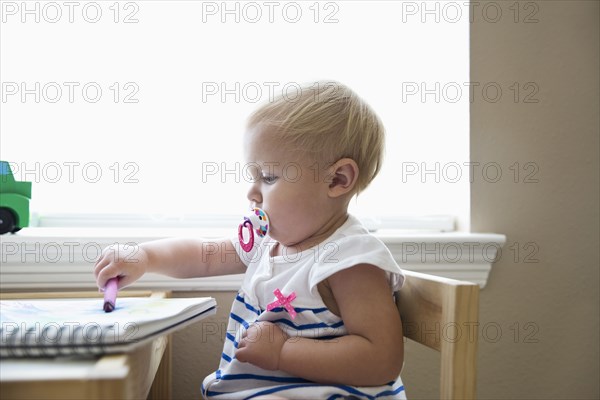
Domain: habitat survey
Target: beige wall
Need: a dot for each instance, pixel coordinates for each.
(197, 349)
(559, 295)
(548, 311)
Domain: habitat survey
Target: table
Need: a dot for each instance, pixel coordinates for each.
(145, 372)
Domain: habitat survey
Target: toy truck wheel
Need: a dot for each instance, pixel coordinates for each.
(7, 221)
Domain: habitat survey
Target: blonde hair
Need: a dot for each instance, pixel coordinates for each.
(327, 121)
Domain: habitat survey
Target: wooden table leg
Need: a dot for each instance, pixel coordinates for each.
(161, 387)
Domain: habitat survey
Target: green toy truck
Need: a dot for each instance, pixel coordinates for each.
(14, 201)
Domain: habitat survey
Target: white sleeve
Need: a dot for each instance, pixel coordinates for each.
(353, 250)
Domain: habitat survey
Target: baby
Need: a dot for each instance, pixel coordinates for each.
(315, 316)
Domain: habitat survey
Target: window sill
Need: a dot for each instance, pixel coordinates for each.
(63, 258)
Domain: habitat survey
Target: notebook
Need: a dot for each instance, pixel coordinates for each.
(65, 327)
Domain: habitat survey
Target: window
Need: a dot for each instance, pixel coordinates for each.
(138, 107)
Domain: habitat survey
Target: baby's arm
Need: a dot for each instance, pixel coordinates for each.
(370, 355)
(179, 258)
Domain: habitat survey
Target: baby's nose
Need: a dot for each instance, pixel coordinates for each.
(254, 196)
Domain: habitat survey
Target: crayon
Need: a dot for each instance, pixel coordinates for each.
(110, 294)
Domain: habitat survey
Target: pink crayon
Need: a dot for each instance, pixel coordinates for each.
(110, 294)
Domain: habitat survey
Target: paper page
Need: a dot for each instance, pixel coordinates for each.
(84, 322)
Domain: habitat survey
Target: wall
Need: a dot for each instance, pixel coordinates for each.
(556, 355)
(197, 349)
(547, 311)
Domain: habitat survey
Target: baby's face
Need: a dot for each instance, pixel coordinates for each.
(285, 184)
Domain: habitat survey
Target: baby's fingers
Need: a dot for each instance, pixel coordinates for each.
(100, 265)
(241, 353)
(108, 272)
(126, 280)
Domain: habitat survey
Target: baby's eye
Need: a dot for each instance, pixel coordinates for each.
(268, 179)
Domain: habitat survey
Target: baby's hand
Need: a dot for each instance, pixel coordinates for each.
(261, 345)
(127, 262)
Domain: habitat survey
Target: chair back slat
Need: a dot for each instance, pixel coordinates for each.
(442, 314)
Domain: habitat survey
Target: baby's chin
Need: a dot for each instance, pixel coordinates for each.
(292, 245)
(282, 240)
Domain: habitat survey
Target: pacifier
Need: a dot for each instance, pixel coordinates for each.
(255, 222)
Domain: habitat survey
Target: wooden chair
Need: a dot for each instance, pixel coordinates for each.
(442, 314)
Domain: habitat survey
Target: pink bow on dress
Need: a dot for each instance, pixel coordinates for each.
(283, 301)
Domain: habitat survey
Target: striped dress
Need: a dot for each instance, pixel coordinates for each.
(299, 273)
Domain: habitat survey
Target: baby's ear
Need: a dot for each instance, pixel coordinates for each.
(342, 177)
